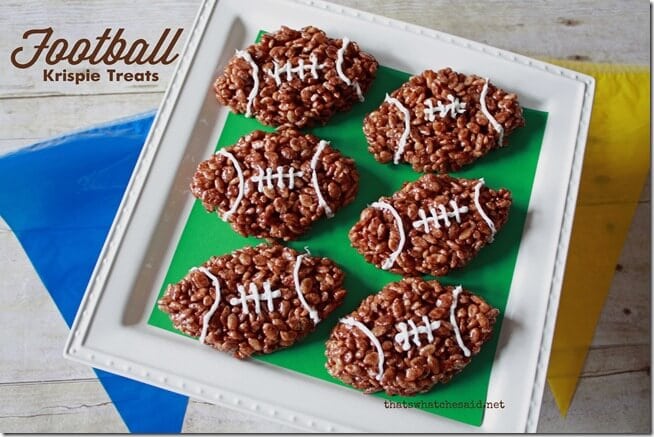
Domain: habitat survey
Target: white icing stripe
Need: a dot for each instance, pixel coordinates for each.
(268, 295)
(314, 179)
(359, 92)
(481, 211)
(207, 317)
(407, 127)
(429, 327)
(313, 314)
(436, 218)
(339, 61)
(255, 77)
(455, 326)
(482, 101)
(339, 69)
(349, 321)
(243, 299)
(402, 337)
(414, 331)
(400, 228)
(241, 183)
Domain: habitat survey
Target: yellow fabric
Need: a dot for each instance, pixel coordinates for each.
(615, 169)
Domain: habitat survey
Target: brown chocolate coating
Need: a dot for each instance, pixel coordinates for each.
(276, 212)
(300, 100)
(230, 328)
(442, 248)
(446, 143)
(352, 357)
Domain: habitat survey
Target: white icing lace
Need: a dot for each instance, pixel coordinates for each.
(402, 337)
(268, 295)
(442, 214)
(287, 70)
(268, 176)
(299, 69)
(454, 108)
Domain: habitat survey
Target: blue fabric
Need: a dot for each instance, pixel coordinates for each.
(60, 197)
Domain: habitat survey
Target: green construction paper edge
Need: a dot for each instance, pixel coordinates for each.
(488, 275)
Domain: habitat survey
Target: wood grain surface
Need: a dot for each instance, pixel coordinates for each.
(42, 392)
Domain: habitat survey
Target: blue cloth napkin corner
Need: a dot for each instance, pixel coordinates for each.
(60, 197)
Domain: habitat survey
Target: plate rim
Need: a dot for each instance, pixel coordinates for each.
(76, 350)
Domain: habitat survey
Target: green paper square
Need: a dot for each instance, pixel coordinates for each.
(488, 275)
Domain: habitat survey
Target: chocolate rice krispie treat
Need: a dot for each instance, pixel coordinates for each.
(275, 185)
(411, 335)
(296, 77)
(430, 226)
(442, 120)
(254, 300)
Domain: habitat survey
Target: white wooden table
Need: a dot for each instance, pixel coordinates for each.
(41, 392)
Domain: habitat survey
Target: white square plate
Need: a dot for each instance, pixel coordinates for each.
(111, 330)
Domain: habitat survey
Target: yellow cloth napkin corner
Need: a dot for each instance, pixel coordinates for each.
(615, 169)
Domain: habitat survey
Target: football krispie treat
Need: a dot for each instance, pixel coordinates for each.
(411, 335)
(254, 300)
(296, 77)
(442, 120)
(276, 185)
(430, 226)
